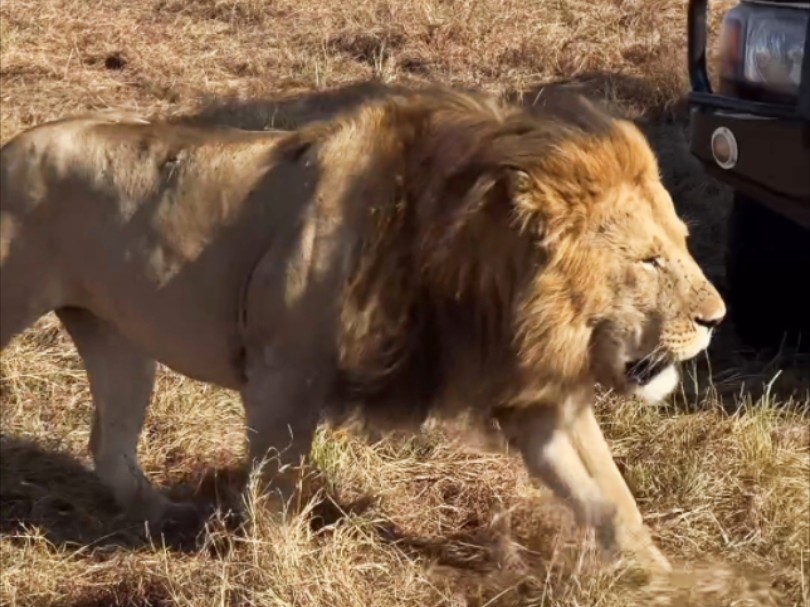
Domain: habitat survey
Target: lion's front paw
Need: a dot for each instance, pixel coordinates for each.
(596, 513)
(599, 515)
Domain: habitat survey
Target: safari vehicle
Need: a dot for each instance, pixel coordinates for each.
(753, 133)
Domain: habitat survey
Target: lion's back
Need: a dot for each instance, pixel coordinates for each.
(53, 155)
(152, 226)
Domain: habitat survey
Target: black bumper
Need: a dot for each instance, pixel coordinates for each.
(773, 164)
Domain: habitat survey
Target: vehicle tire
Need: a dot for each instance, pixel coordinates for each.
(768, 277)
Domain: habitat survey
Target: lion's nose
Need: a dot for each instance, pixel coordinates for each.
(710, 320)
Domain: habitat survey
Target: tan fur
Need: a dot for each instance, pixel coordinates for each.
(426, 252)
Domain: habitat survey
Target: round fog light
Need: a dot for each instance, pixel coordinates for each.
(724, 147)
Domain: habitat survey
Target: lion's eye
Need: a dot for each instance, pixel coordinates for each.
(653, 262)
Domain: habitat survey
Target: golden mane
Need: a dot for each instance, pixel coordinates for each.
(443, 251)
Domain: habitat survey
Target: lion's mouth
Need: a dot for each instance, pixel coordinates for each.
(643, 371)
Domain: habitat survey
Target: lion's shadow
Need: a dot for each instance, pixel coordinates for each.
(52, 493)
(62, 499)
(55, 496)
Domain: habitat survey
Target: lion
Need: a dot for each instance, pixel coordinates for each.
(433, 252)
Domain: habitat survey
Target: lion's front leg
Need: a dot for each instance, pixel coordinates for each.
(283, 403)
(550, 455)
(632, 535)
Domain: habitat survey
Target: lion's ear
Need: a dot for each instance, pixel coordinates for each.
(519, 187)
(519, 182)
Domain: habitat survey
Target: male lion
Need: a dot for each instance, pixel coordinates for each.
(434, 251)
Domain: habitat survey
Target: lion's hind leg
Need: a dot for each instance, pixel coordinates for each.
(121, 380)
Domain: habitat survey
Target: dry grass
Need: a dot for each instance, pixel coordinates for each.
(721, 475)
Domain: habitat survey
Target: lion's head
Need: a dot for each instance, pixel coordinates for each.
(556, 225)
(618, 261)
(652, 305)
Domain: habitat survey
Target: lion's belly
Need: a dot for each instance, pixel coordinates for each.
(189, 325)
(179, 303)
(214, 358)
(200, 342)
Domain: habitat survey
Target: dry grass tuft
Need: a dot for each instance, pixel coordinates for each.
(722, 474)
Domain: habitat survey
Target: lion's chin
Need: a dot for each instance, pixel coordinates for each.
(658, 386)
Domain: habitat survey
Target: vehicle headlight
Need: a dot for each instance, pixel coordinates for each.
(774, 51)
(762, 46)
